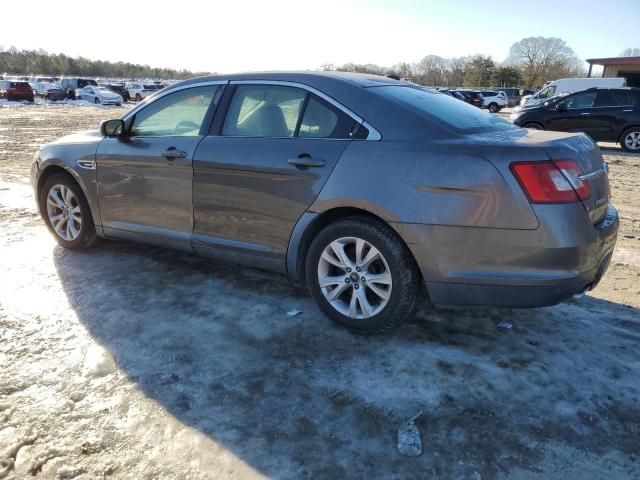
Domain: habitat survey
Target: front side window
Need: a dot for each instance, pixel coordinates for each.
(547, 92)
(581, 100)
(177, 114)
(264, 111)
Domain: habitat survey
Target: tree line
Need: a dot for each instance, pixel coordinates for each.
(531, 62)
(27, 62)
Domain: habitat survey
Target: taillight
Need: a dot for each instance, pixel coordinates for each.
(556, 181)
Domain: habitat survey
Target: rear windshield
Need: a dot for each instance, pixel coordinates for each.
(20, 85)
(437, 107)
(149, 87)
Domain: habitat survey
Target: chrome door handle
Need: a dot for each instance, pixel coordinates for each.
(306, 162)
(630, 110)
(172, 153)
(585, 113)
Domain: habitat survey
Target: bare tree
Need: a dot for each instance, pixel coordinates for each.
(630, 52)
(543, 58)
(431, 70)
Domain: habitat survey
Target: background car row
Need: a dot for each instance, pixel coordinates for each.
(75, 88)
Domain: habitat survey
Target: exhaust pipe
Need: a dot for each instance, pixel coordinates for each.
(579, 294)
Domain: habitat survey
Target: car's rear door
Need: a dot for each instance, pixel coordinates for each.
(145, 179)
(262, 166)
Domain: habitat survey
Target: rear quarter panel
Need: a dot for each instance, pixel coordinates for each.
(437, 183)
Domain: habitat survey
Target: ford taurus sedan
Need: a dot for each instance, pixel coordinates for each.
(371, 190)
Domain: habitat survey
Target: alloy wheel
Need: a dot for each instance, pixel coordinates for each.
(63, 211)
(632, 140)
(354, 277)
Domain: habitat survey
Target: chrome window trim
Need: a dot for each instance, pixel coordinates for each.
(374, 134)
(152, 98)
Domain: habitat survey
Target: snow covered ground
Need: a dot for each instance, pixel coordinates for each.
(129, 361)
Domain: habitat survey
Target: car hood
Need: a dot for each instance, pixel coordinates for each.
(89, 136)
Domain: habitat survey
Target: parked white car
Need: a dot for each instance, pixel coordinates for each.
(495, 100)
(565, 86)
(139, 90)
(99, 95)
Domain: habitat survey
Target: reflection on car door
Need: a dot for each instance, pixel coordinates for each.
(145, 179)
(261, 168)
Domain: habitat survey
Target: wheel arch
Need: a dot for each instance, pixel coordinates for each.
(542, 127)
(55, 168)
(625, 130)
(310, 224)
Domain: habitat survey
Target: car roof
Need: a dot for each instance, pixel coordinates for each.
(359, 79)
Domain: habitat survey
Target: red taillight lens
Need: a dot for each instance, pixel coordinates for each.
(554, 181)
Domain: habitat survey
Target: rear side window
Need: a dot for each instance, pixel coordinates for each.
(264, 111)
(178, 114)
(455, 114)
(321, 120)
(625, 98)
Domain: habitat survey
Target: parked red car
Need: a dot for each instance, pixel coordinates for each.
(16, 90)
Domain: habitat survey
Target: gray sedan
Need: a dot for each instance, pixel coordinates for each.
(371, 190)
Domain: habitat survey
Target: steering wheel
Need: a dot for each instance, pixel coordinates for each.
(185, 126)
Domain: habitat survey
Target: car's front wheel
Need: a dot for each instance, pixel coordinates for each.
(533, 126)
(630, 139)
(493, 107)
(362, 275)
(66, 212)
(96, 101)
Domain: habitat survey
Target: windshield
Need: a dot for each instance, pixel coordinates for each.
(444, 109)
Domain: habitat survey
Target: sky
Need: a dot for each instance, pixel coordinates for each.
(251, 35)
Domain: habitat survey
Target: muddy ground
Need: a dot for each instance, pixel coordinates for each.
(129, 361)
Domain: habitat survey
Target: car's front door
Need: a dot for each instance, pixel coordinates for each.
(574, 114)
(145, 178)
(262, 167)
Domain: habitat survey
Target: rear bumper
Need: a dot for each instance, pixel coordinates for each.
(514, 268)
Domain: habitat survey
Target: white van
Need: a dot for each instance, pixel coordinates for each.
(565, 86)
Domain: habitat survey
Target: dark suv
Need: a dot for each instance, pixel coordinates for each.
(73, 84)
(605, 114)
(473, 97)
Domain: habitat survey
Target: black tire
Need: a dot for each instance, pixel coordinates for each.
(624, 136)
(533, 126)
(493, 107)
(138, 97)
(96, 101)
(404, 273)
(87, 236)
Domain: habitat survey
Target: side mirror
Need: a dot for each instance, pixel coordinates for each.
(561, 107)
(112, 128)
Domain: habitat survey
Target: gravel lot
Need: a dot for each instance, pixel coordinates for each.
(129, 361)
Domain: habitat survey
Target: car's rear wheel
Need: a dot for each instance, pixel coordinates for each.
(362, 275)
(66, 212)
(493, 107)
(630, 139)
(533, 126)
